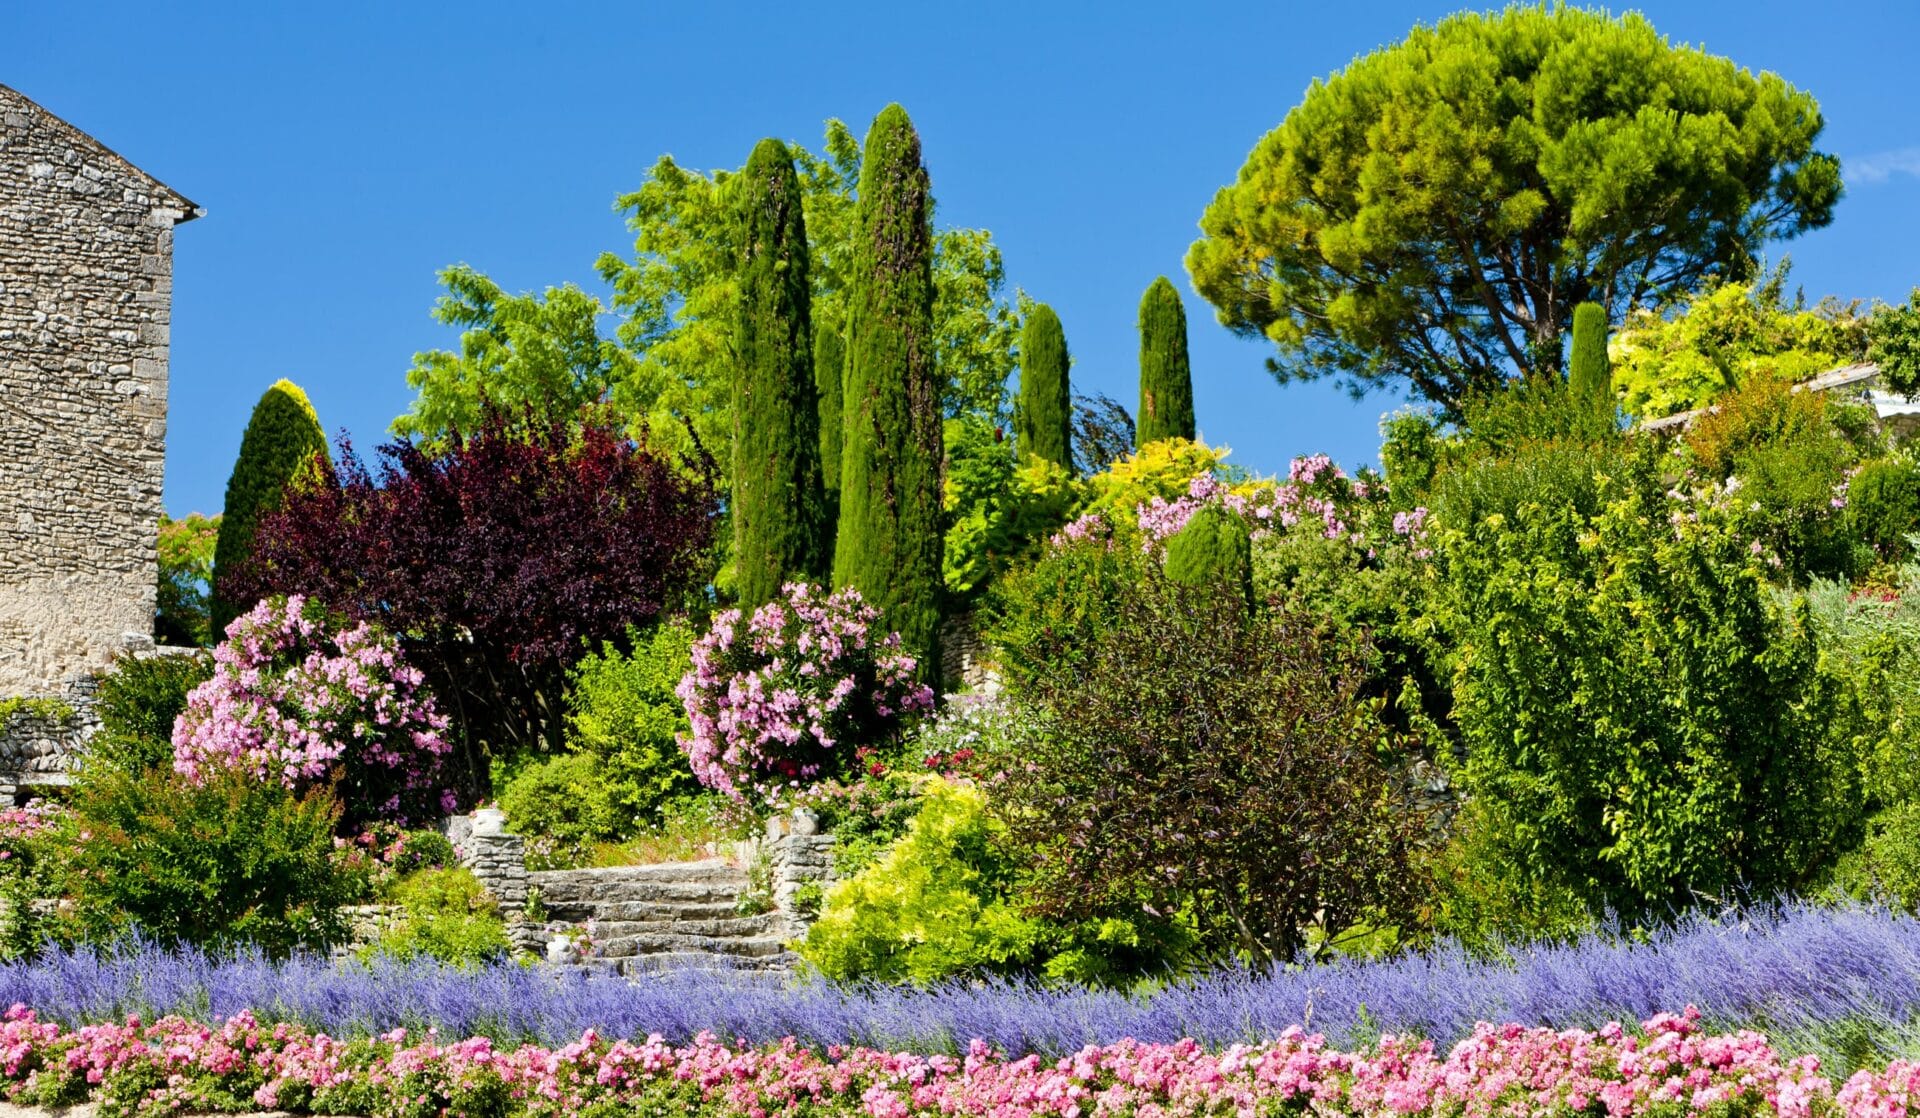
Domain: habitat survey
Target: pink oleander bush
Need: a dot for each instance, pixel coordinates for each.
(296, 699)
(782, 700)
(1668, 1068)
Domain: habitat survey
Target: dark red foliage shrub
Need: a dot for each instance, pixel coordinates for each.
(499, 558)
(1221, 764)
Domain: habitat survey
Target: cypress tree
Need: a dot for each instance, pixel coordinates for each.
(779, 505)
(1590, 377)
(889, 543)
(829, 382)
(1166, 379)
(282, 439)
(1214, 549)
(1044, 423)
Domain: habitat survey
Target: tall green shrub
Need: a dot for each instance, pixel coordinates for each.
(779, 504)
(1213, 550)
(829, 383)
(1045, 419)
(1588, 374)
(1650, 722)
(1166, 378)
(890, 537)
(281, 440)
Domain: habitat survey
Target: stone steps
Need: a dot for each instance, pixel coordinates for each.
(669, 915)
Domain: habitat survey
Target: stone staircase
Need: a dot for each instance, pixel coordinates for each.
(666, 915)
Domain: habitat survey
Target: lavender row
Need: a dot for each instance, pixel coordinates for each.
(1789, 969)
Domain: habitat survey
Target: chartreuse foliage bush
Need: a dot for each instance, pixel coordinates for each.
(282, 443)
(934, 905)
(1725, 337)
(445, 914)
(944, 900)
(1642, 717)
(182, 599)
(623, 712)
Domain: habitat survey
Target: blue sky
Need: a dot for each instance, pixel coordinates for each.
(345, 152)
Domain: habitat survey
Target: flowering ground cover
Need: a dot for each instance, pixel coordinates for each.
(1840, 982)
(1668, 1067)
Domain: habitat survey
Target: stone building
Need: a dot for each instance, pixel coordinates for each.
(86, 281)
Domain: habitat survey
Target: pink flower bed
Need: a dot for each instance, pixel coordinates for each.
(1668, 1068)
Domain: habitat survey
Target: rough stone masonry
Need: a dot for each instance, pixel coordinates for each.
(86, 282)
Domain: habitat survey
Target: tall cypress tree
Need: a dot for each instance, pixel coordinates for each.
(282, 439)
(1044, 421)
(1589, 376)
(889, 544)
(829, 382)
(1166, 378)
(779, 505)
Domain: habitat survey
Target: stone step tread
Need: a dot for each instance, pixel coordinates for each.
(731, 928)
(702, 960)
(616, 892)
(643, 910)
(706, 870)
(651, 943)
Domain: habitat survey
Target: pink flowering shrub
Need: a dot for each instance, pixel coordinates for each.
(1669, 1069)
(294, 699)
(782, 700)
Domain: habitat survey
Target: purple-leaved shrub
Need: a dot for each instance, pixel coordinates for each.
(783, 700)
(297, 700)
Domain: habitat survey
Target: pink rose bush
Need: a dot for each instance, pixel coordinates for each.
(783, 699)
(1667, 1069)
(295, 699)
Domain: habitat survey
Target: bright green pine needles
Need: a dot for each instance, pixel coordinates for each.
(282, 441)
(1044, 421)
(779, 504)
(890, 541)
(1166, 378)
(1589, 377)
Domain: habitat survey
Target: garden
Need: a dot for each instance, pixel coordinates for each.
(1562, 764)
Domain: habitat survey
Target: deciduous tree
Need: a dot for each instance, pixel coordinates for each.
(499, 557)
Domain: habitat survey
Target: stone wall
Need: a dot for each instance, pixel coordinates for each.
(86, 264)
